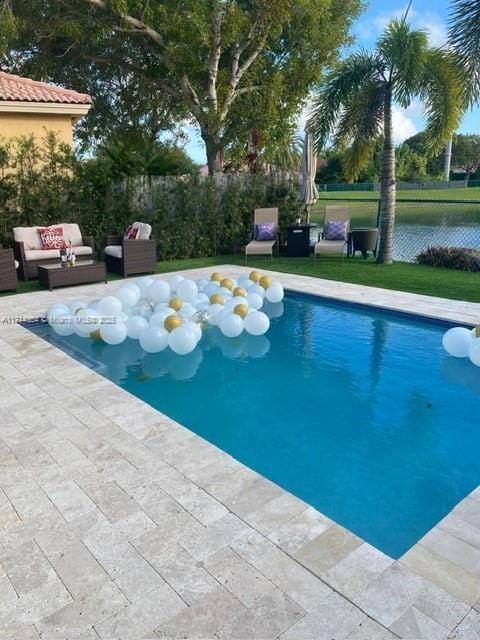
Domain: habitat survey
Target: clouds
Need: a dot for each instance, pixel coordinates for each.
(403, 125)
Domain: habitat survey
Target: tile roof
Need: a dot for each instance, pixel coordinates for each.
(16, 89)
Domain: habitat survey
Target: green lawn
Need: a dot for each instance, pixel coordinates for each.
(470, 193)
(402, 276)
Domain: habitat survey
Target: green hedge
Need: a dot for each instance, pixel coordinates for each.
(193, 216)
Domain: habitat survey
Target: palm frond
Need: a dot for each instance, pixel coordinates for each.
(336, 91)
(441, 92)
(464, 38)
(405, 50)
(362, 116)
(357, 157)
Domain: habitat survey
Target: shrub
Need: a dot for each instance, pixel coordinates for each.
(459, 258)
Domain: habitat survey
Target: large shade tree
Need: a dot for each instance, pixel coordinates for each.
(354, 105)
(225, 64)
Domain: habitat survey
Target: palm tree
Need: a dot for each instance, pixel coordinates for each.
(355, 105)
(464, 39)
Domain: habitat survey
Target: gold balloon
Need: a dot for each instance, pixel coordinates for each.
(241, 310)
(265, 282)
(217, 277)
(255, 276)
(227, 283)
(176, 304)
(95, 335)
(172, 322)
(477, 331)
(216, 298)
(240, 292)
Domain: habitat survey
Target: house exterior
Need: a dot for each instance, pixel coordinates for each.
(29, 107)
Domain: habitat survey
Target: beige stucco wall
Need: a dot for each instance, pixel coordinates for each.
(21, 124)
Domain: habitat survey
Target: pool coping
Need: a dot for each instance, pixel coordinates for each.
(252, 526)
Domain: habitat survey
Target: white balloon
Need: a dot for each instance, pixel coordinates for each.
(187, 290)
(457, 341)
(159, 291)
(254, 300)
(223, 313)
(223, 291)
(257, 323)
(113, 333)
(231, 326)
(57, 309)
(274, 293)
(143, 284)
(135, 325)
(175, 281)
(187, 310)
(238, 300)
(202, 283)
(245, 282)
(86, 321)
(182, 341)
(194, 327)
(76, 305)
(158, 318)
(122, 316)
(153, 339)
(212, 287)
(134, 287)
(109, 306)
(256, 288)
(127, 296)
(213, 309)
(63, 324)
(474, 352)
(201, 298)
(202, 306)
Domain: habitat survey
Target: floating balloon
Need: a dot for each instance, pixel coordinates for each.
(216, 277)
(231, 326)
(187, 290)
(257, 323)
(255, 276)
(474, 352)
(63, 324)
(159, 291)
(255, 300)
(457, 341)
(182, 341)
(274, 293)
(114, 333)
(135, 325)
(172, 322)
(217, 298)
(176, 304)
(109, 306)
(127, 296)
(241, 310)
(153, 339)
(265, 282)
(175, 281)
(226, 283)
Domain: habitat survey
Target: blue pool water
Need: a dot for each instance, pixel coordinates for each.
(357, 411)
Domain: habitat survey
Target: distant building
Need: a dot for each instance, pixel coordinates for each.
(29, 107)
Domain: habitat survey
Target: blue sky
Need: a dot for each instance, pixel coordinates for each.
(430, 15)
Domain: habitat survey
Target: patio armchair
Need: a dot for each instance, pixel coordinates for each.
(132, 253)
(29, 251)
(334, 237)
(8, 270)
(265, 233)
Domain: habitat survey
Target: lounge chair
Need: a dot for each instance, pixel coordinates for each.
(8, 270)
(258, 247)
(326, 245)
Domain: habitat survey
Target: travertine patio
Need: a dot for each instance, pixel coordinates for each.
(116, 522)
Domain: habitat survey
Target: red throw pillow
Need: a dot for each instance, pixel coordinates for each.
(131, 233)
(52, 238)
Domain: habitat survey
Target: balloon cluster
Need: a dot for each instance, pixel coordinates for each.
(160, 313)
(463, 343)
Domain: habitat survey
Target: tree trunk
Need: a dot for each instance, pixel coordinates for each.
(387, 187)
(215, 152)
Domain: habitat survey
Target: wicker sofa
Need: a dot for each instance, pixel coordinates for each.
(131, 257)
(27, 247)
(8, 270)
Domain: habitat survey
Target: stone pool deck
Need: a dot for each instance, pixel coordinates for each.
(117, 522)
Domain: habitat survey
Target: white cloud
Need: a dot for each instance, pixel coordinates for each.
(403, 126)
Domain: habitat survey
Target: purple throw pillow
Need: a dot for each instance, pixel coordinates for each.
(336, 230)
(266, 231)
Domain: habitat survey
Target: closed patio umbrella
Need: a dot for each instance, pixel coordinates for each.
(308, 190)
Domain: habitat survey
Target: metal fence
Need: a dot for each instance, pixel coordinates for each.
(401, 186)
(419, 224)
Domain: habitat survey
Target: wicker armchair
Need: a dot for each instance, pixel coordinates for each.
(130, 257)
(8, 270)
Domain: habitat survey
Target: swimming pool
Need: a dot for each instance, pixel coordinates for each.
(357, 411)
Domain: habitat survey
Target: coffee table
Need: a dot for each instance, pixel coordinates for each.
(84, 272)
